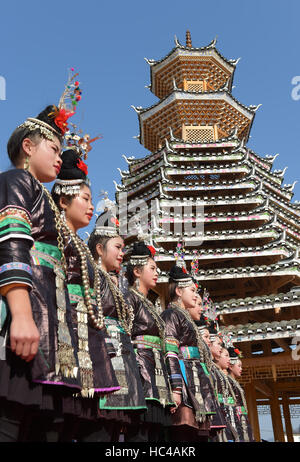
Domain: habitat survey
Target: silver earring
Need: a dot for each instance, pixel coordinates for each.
(99, 262)
(137, 283)
(63, 215)
(26, 163)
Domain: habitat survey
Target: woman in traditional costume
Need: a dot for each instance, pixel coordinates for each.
(72, 195)
(234, 373)
(218, 422)
(224, 389)
(38, 354)
(190, 417)
(148, 337)
(123, 407)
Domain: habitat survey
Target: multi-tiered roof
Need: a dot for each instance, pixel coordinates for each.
(196, 134)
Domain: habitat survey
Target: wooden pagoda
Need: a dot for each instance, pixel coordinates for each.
(197, 136)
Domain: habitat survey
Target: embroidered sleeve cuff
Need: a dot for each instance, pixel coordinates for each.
(176, 382)
(15, 223)
(172, 345)
(15, 273)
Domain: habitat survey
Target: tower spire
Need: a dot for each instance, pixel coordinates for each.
(188, 39)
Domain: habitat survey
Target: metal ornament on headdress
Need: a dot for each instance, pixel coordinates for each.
(109, 209)
(82, 146)
(141, 260)
(209, 310)
(210, 313)
(45, 129)
(179, 255)
(68, 187)
(80, 143)
(195, 263)
(60, 114)
(227, 340)
(179, 261)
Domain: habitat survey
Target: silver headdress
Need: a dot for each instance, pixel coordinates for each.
(146, 239)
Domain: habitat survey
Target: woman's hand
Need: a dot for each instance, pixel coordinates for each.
(177, 400)
(24, 335)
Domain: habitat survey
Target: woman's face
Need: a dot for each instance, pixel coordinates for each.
(224, 361)
(196, 311)
(44, 158)
(188, 296)
(199, 303)
(148, 274)
(80, 211)
(236, 368)
(112, 254)
(216, 348)
(206, 337)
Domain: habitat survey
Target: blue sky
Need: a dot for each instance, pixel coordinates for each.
(107, 42)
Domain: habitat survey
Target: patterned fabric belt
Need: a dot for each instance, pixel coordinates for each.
(190, 352)
(227, 401)
(205, 368)
(45, 255)
(114, 324)
(220, 398)
(241, 410)
(76, 293)
(147, 341)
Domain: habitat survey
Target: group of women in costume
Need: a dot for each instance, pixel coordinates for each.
(83, 356)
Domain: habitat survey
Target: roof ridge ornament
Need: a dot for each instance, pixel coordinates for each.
(280, 172)
(119, 187)
(234, 61)
(254, 107)
(226, 85)
(290, 187)
(123, 173)
(162, 194)
(271, 158)
(151, 62)
(129, 160)
(174, 84)
(240, 146)
(137, 109)
(176, 42)
(172, 138)
(212, 43)
(163, 177)
(169, 149)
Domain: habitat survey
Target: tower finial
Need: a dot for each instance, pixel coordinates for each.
(188, 39)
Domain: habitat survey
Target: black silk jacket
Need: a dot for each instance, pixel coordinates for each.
(100, 348)
(243, 425)
(186, 372)
(26, 221)
(131, 395)
(149, 355)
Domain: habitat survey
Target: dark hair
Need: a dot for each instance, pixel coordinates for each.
(130, 271)
(94, 240)
(14, 143)
(44, 117)
(172, 290)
